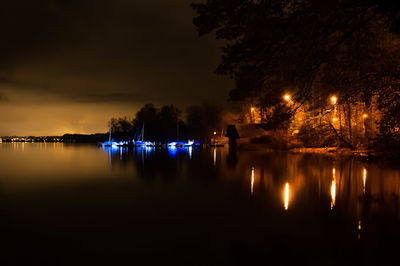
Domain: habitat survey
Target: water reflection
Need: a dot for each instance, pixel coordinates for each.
(286, 196)
(190, 151)
(333, 189)
(359, 229)
(215, 156)
(364, 179)
(172, 151)
(113, 150)
(186, 188)
(302, 175)
(252, 181)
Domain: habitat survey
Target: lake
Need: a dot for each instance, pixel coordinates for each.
(64, 204)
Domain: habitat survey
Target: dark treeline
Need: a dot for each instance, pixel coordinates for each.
(168, 123)
(82, 138)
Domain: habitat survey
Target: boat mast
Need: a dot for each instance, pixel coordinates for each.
(142, 132)
(109, 137)
(177, 128)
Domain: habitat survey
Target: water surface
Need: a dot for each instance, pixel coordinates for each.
(80, 204)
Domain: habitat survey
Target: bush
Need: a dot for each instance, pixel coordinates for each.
(320, 136)
(278, 139)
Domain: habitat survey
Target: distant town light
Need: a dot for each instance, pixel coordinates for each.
(215, 133)
(333, 99)
(286, 97)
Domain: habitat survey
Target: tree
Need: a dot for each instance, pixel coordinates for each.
(202, 120)
(310, 48)
(160, 124)
(168, 123)
(389, 124)
(285, 44)
(146, 117)
(121, 128)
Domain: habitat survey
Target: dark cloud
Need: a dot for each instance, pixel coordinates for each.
(3, 97)
(107, 98)
(114, 52)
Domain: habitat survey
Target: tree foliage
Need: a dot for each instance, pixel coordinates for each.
(311, 49)
(165, 124)
(203, 119)
(294, 45)
(157, 124)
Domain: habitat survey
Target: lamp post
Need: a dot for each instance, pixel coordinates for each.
(334, 101)
(252, 114)
(215, 133)
(287, 97)
(365, 116)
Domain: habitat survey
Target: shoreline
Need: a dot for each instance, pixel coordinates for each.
(367, 155)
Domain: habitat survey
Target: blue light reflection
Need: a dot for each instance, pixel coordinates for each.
(112, 149)
(148, 151)
(172, 151)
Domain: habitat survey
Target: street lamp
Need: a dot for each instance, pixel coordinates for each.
(286, 97)
(215, 133)
(365, 116)
(333, 99)
(252, 114)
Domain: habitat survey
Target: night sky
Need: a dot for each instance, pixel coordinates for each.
(69, 66)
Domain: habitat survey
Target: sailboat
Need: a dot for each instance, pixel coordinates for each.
(110, 142)
(178, 143)
(141, 142)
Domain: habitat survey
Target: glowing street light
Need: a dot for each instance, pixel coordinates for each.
(365, 116)
(334, 101)
(286, 97)
(215, 133)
